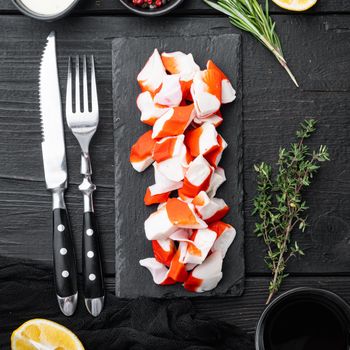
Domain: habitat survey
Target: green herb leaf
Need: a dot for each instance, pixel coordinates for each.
(278, 204)
(249, 16)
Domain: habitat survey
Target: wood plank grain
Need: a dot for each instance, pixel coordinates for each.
(317, 49)
(192, 7)
(246, 310)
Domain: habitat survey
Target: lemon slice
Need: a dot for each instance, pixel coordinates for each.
(40, 334)
(295, 5)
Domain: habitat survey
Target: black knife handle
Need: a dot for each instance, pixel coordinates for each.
(92, 265)
(64, 255)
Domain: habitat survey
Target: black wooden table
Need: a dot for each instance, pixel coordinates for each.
(317, 46)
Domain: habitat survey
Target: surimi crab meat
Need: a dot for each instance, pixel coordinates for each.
(142, 151)
(202, 140)
(170, 93)
(150, 111)
(168, 147)
(228, 94)
(158, 271)
(199, 243)
(225, 236)
(151, 76)
(177, 269)
(174, 122)
(210, 209)
(164, 251)
(158, 225)
(205, 276)
(197, 178)
(180, 63)
(216, 119)
(214, 155)
(174, 168)
(182, 104)
(183, 215)
(217, 179)
(206, 92)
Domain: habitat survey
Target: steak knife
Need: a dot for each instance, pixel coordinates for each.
(55, 168)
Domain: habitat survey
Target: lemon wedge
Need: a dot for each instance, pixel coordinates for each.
(295, 5)
(40, 334)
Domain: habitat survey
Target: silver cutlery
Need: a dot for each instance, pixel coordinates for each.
(55, 168)
(83, 122)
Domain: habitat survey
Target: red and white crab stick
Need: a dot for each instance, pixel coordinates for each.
(182, 105)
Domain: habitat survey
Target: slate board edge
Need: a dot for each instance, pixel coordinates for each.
(238, 287)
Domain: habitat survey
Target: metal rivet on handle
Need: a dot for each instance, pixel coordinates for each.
(89, 232)
(63, 251)
(65, 274)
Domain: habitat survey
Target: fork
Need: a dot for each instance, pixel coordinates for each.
(83, 123)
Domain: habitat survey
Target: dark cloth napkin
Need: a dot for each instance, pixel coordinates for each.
(26, 292)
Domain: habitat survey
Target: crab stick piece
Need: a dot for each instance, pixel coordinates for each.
(168, 147)
(180, 63)
(141, 152)
(165, 183)
(164, 251)
(210, 210)
(206, 92)
(177, 269)
(183, 215)
(150, 111)
(160, 191)
(202, 140)
(174, 121)
(228, 94)
(214, 155)
(151, 76)
(205, 276)
(170, 93)
(158, 270)
(152, 198)
(159, 226)
(199, 246)
(197, 178)
(225, 236)
(181, 235)
(217, 179)
(216, 119)
(174, 168)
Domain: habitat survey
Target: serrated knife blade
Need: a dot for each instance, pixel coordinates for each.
(55, 169)
(53, 147)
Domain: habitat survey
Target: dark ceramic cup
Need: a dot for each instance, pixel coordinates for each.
(304, 319)
(171, 5)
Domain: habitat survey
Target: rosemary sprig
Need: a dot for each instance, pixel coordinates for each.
(279, 205)
(249, 16)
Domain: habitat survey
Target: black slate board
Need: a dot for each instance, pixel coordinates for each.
(128, 57)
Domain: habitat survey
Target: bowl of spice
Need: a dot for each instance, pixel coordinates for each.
(151, 7)
(46, 10)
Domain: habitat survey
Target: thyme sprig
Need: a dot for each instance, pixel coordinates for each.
(249, 16)
(279, 205)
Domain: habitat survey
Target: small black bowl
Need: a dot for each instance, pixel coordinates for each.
(305, 299)
(171, 5)
(38, 16)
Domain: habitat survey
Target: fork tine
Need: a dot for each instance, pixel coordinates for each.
(94, 100)
(77, 86)
(69, 107)
(85, 86)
